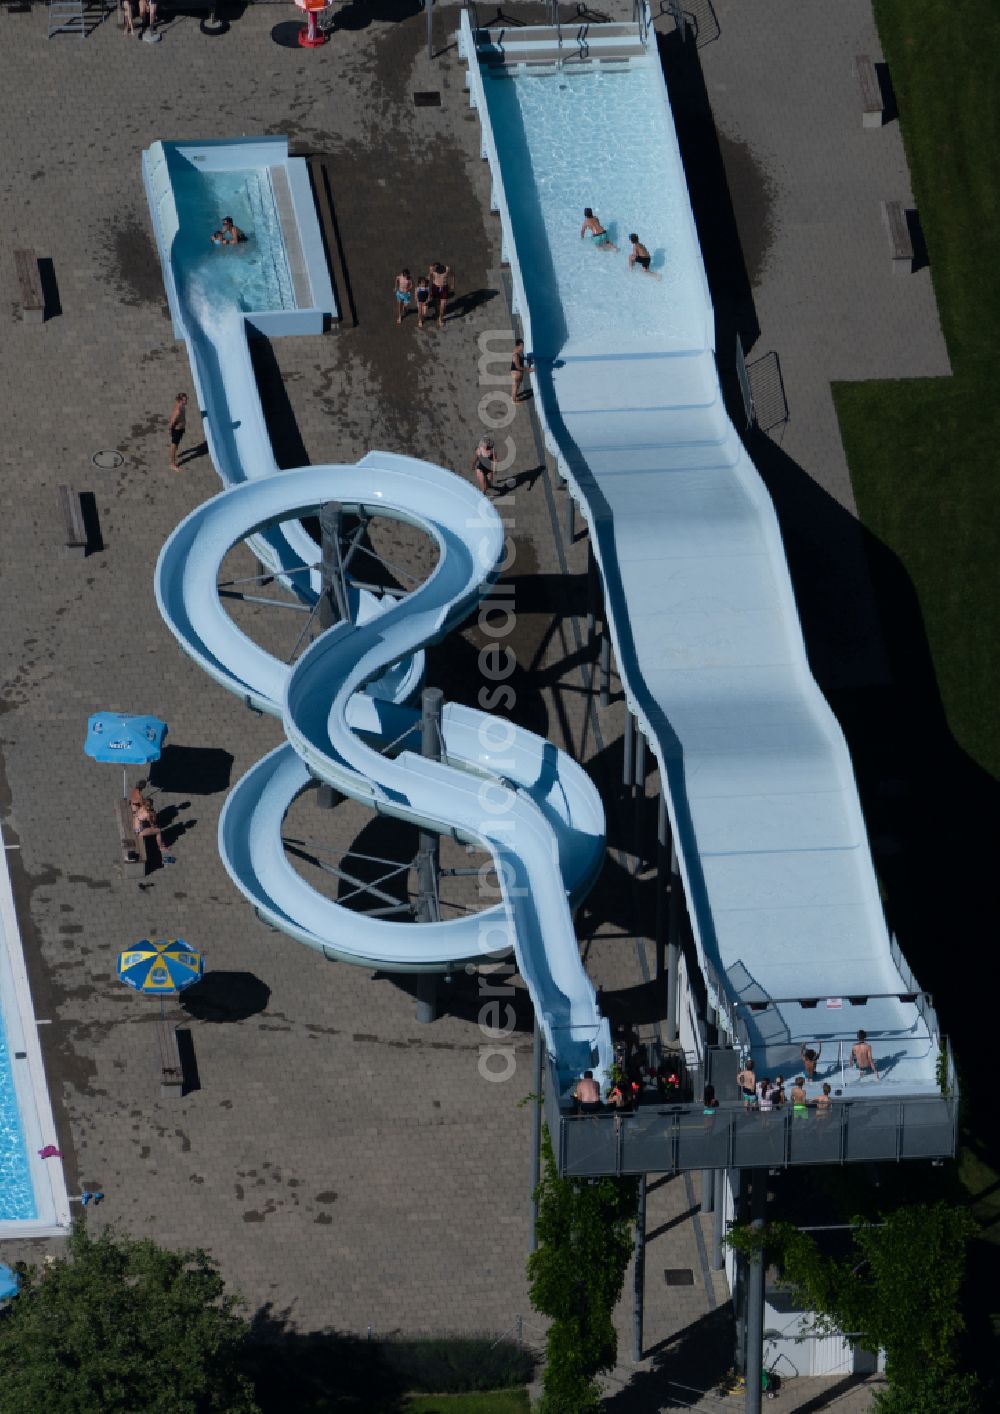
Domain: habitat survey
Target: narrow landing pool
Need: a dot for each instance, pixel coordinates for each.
(252, 275)
(595, 137)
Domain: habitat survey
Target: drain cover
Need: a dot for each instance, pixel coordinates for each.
(108, 461)
(679, 1276)
(431, 98)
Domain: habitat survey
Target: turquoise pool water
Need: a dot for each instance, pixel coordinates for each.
(596, 137)
(17, 1197)
(253, 275)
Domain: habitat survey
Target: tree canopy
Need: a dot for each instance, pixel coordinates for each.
(120, 1325)
(584, 1233)
(899, 1289)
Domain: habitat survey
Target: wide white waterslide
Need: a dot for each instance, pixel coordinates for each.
(778, 876)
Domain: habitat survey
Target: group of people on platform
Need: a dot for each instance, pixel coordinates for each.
(765, 1095)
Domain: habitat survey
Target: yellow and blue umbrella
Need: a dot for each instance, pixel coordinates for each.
(160, 969)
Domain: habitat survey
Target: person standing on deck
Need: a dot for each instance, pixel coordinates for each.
(640, 258)
(861, 1056)
(177, 426)
(747, 1081)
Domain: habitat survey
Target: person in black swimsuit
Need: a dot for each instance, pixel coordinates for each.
(423, 293)
(640, 257)
(484, 464)
(520, 364)
(177, 426)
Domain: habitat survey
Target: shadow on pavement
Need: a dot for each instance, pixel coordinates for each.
(192, 770)
(226, 996)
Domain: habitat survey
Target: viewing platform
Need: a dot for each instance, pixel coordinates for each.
(670, 1138)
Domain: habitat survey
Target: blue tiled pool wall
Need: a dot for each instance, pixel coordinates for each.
(17, 1196)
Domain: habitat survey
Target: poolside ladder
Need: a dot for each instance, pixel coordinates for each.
(67, 17)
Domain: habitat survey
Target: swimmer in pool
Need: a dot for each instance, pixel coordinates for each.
(640, 258)
(592, 227)
(217, 238)
(231, 235)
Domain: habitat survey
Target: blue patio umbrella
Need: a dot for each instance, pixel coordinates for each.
(162, 968)
(10, 1282)
(127, 740)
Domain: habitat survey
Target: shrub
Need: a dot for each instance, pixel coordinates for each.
(457, 1365)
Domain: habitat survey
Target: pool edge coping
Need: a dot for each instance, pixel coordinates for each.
(32, 1092)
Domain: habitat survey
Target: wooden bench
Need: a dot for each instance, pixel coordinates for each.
(29, 281)
(171, 1069)
(330, 233)
(872, 102)
(74, 525)
(894, 218)
(133, 846)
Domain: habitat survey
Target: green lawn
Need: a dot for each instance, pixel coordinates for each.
(924, 453)
(925, 458)
(505, 1401)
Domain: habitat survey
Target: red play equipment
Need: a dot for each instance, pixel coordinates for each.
(310, 36)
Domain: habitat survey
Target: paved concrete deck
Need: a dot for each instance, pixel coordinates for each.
(346, 1166)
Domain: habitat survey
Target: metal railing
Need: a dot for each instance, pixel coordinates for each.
(641, 16)
(744, 381)
(669, 1139)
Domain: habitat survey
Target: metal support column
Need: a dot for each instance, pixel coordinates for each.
(427, 991)
(707, 1189)
(592, 597)
(755, 1299)
(639, 1275)
(333, 600)
(640, 791)
(570, 516)
(326, 796)
(332, 597)
(740, 1274)
(719, 1222)
(628, 749)
(428, 850)
(536, 1130)
(605, 697)
(662, 862)
(429, 5)
(673, 943)
(640, 758)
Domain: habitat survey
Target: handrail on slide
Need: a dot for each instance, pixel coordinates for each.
(498, 786)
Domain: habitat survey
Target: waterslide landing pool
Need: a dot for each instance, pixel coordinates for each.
(572, 139)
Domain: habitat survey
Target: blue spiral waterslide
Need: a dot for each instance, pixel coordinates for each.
(343, 704)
